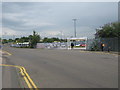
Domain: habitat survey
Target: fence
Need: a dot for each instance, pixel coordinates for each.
(91, 44)
(111, 44)
(54, 45)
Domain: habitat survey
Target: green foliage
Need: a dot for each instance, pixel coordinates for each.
(4, 41)
(34, 39)
(10, 40)
(95, 46)
(50, 40)
(109, 30)
(22, 39)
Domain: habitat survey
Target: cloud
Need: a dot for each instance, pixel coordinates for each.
(51, 17)
(50, 33)
(68, 32)
(8, 31)
(12, 16)
(38, 24)
(11, 32)
(61, 1)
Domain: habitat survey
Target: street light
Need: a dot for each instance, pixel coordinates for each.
(74, 20)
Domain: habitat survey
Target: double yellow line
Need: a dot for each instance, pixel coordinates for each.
(23, 72)
(25, 75)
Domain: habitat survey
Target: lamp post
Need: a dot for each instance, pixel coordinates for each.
(74, 20)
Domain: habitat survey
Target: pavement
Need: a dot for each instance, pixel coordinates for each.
(10, 78)
(13, 76)
(66, 68)
(102, 52)
(9, 75)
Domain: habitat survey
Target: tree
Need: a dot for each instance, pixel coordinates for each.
(109, 30)
(4, 41)
(0, 40)
(34, 39)
(45, 40)
(50, 40)
(24, 39)
(10, 40)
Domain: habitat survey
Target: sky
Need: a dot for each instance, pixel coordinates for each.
(55, 19)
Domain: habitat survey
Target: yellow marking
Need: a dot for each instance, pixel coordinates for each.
(25, 75)
(29, 86)
(7, 52)
(29, 78)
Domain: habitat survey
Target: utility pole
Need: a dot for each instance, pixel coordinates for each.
(74, 20)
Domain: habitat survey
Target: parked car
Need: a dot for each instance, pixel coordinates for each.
(78, 45)
(83, 45)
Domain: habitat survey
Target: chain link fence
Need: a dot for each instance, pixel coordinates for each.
(111, 44)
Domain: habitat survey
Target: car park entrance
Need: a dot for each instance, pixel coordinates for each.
(79, 43)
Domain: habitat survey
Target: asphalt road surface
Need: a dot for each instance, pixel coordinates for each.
(10, 78)
(66, 68)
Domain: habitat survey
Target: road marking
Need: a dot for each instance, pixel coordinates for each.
(23, 72)
(7, 52)
(27, 82)
(25, 75)
(29, 78)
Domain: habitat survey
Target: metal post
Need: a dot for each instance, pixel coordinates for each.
(74, 27)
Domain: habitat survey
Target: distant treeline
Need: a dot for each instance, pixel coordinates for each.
(33, 39)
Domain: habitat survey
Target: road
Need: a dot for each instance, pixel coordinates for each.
(10, 78)
(10, 75)
(66, 68)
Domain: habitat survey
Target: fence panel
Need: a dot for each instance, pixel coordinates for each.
(111, 44)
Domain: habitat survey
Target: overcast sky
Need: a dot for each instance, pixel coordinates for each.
(49, 19)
